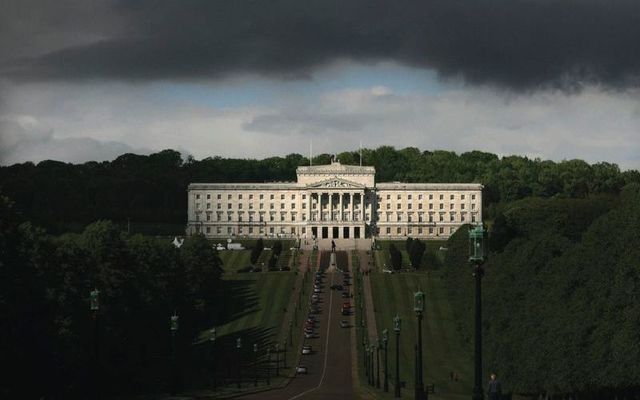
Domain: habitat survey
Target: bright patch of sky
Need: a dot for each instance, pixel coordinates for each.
(245, 91)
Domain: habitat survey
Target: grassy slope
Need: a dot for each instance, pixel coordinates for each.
(441, 352)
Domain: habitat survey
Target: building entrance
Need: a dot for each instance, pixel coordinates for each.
(345, 232)
(314, 231)
(356, 232)
(325, 232)
(336, 232)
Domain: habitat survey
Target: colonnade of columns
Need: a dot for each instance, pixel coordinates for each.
(345, 202)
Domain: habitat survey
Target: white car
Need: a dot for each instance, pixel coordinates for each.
(387, 271)
(306, 349)
(301, 369)
(316, 290)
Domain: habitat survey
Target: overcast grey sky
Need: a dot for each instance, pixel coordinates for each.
(90, 80)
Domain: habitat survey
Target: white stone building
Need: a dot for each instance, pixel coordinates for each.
(332, 202)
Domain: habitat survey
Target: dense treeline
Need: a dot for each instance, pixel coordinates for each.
(151, 190)
(47, 333)
(561, 293)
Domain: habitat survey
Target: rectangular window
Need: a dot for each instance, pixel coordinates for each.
(388, 231)
(197, 197)
(473, 206)
(388, 197)
(388, 206)
(208, 206)
(271, 206)
(304, 197)
(251, 229)
(240, 196)
(452, 217)
(408, 197)
(452, 197)
(250, 197)
(208, 217)
(208, 197)
(304, 206)
(462, 206)
(461, 197)
(451, 206)
(293, 206)
(228, 197)
(441, 206)
(293, 197)
(250, 206)
(430, 206)
(441, 197)
(219, 230)
(219, 206)
(419, 206)
(271, 197)
(430, 197)
(261, 196)
(281, 197)
(399, 230)
(282, 206)
(430, 231)
(419, 197)
(228, 206)
(398, 206)
(197, 206)
(409, 206)
(240, 206)
(219, 196)
(442, 217)
(399, 197)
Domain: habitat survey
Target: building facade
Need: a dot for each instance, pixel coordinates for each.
(333, 201)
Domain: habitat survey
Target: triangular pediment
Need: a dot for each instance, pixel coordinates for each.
(336, 183)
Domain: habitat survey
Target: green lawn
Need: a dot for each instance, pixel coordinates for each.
(382, 256)
(442, 353)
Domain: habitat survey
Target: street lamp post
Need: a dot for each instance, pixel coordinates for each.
(239, 348)
(290, 333)
(396, 329)
(284, 360)
(278, 359)
(94, 306)
(378, 363)
(268, 365)
(476, 258)
(385, 339)
(173, 326)
(371, 374)
(255, 364)
(212, 339)
(418, 307)
(364, 359)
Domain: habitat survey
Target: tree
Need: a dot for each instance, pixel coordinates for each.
(396, 257)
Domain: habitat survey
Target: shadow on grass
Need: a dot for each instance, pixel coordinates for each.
(222, 363)
(236, 299)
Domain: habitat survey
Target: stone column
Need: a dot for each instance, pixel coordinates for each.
(351, 200)
(330, 206)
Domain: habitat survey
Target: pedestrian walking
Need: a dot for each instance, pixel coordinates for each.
(495, 389)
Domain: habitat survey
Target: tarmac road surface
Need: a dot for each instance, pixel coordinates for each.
(329, 367)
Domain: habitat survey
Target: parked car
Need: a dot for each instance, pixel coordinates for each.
(306, 349)
(316, 290)
(301, 369)
(336, 287)
(309, 335)
(344, 323)
(345, 295)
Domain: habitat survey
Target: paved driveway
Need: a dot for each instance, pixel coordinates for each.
(329, 366)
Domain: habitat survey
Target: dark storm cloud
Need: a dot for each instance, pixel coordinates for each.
(514, 43)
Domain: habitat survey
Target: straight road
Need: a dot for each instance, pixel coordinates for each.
(329, 367)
